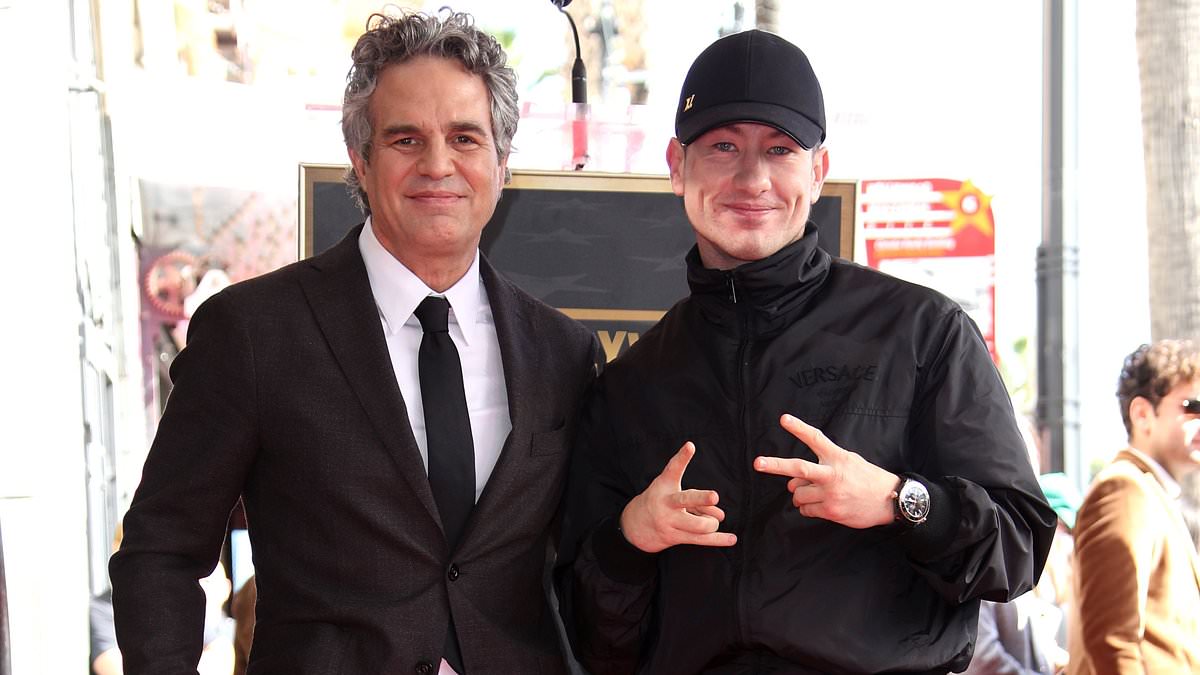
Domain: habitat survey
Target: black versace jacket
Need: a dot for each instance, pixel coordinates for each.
(889, 369)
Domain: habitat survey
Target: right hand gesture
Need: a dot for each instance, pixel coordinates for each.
(665, 514)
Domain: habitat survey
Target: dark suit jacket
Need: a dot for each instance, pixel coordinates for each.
(285, 395)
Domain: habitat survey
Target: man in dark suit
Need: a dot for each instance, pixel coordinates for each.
(306, 393)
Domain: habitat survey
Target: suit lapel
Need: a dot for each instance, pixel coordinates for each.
(339, 294)
(517, 335)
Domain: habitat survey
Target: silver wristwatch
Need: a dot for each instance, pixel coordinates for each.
(911, 501)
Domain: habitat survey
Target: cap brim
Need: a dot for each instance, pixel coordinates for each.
(801, 129)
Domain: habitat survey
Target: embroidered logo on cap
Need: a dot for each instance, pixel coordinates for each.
(687, 105)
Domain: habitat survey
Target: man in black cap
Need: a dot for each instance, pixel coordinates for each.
(709, 527)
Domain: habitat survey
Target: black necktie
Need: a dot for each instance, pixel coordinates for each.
(448, 432)
(447, 425)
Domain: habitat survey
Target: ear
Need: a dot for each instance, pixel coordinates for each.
(675, 164)
(820, 170)
(1141, 414)
(503, 177)
(359, 164)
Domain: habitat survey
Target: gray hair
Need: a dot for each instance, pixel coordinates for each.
(390, 40)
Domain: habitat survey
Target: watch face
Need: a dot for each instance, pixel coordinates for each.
(914, 501)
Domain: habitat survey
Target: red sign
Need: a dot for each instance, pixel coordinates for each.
(938, 233)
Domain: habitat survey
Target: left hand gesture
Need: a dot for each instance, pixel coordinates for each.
(843, 487)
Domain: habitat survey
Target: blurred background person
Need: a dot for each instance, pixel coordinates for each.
(1056, 584)
(1136, 607)
(1018, 638)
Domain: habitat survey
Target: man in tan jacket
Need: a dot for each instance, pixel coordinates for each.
(1137, 577)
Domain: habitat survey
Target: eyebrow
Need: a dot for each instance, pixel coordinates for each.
(473, 127)
(455, 127)
(399, 129)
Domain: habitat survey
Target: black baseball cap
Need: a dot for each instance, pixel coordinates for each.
(752, 76)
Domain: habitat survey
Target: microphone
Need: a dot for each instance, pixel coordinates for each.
(579, 130)
(578, 69)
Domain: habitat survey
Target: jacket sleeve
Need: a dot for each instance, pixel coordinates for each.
(990, 526)
(605, 584)
(1115, 542)
(192, 478)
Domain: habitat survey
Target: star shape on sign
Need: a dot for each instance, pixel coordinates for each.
(971, 207)
(574, 205)
(667, 264)
(560, 236)
(542, 287)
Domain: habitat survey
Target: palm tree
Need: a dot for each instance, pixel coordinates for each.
(766, 15)
(1168, 44)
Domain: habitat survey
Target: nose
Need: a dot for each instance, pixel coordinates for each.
(436, 162)
(751, 173)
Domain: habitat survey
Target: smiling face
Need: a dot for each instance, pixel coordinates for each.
(747, 189)
(1167, 432)
(433, 176)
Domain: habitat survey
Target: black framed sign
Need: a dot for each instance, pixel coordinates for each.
(605, 249)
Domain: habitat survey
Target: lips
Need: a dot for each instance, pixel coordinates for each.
(437, 200)
(749, 209)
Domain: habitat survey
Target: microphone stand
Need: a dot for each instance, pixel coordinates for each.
(579, 140)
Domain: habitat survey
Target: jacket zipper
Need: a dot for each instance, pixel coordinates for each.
(747, 483)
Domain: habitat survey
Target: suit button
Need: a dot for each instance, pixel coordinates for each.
(424, 668)
(452, 573)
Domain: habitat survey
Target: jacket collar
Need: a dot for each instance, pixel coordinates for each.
(771, 292)
(398, 290)
(1148, 465)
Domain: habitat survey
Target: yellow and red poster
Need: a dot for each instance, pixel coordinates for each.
(939, 233)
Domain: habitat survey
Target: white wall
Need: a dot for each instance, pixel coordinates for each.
(42, 506)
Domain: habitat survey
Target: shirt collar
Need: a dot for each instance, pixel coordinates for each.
(1170, 486)
(398, 291)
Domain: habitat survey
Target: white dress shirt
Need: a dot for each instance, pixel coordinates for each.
(397, 293)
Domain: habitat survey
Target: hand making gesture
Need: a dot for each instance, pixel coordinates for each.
(665, 514)
(843, 487)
